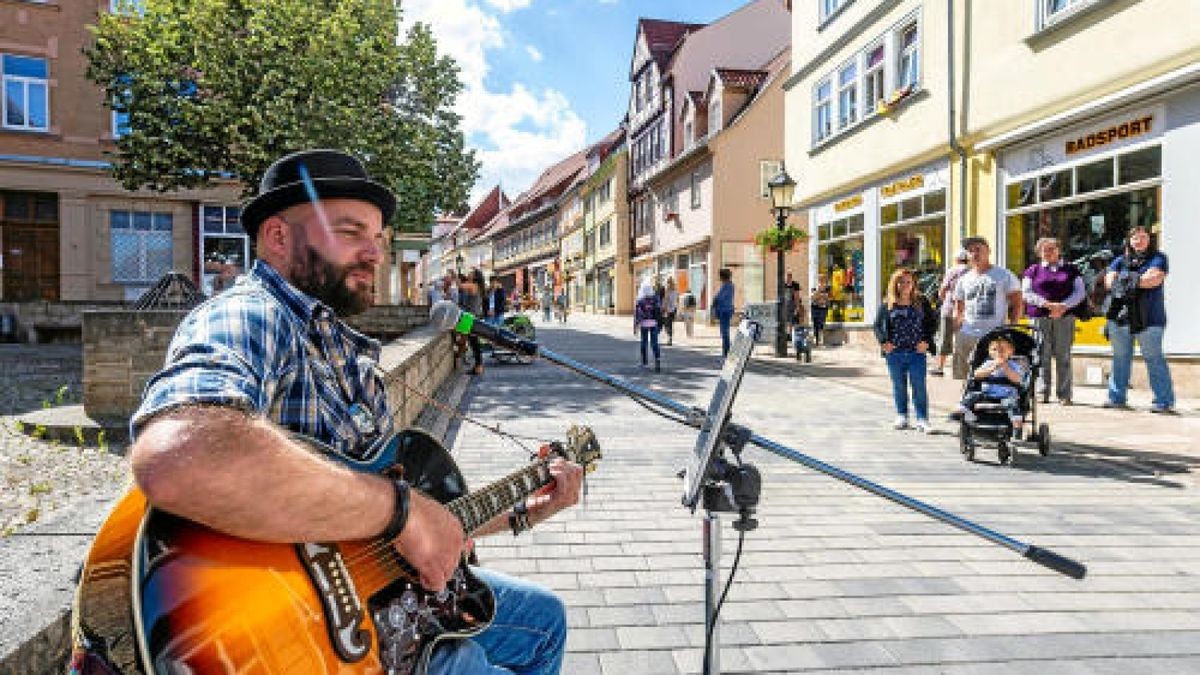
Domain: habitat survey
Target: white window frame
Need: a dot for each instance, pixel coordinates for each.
(827, 9)
(695, 190)
(847, 94)
(141, 237)
(878, 72)
(25, 82)
(714, 113)
(825, 103)
(913, 54)
(1047, 16)
(767, 169)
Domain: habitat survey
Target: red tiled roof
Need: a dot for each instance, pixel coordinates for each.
(552, 183)
(662, 37)
(485, 210)
(744, 79)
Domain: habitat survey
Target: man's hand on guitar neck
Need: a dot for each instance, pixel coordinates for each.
(563, 492)
(432, 541)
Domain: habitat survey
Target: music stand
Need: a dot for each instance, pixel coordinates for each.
(724, 487)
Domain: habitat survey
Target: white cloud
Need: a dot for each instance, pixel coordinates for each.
(533, 53)
(518, 133)
(508, 5)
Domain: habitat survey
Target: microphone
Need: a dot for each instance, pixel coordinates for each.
(445, 315)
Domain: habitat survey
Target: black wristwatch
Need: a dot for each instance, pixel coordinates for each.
(400, 511)
(518, 520)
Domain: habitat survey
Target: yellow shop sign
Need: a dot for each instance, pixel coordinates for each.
(904, 185)
(847, 204)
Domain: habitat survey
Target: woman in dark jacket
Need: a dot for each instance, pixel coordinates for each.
(905, 325)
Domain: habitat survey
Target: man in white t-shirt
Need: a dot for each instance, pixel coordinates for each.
(985, 296)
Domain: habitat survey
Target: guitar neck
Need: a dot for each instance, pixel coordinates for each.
(481, 506)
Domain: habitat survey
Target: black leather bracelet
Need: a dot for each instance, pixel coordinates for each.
(400, 511)
(518, 520)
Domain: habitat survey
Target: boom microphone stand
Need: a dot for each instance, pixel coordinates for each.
(734, 488)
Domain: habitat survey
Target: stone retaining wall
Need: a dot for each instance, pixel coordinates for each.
(422, 359)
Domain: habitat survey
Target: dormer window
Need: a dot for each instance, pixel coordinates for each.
(714, 114)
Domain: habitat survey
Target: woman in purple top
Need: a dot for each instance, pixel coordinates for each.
(1052, 289)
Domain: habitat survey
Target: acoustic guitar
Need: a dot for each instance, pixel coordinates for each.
(160, 594)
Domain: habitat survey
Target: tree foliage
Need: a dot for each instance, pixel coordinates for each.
(220, 88)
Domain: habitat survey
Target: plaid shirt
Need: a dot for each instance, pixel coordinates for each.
(269, 349)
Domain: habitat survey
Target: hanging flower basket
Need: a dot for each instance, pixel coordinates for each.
(774, 239)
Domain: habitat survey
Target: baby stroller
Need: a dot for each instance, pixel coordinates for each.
(801, 340)
(991, 422)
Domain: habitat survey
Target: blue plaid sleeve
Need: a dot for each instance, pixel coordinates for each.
(225, 353)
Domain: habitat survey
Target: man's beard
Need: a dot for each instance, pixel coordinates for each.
(326, 282)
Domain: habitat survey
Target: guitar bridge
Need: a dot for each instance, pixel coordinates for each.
(343, 612)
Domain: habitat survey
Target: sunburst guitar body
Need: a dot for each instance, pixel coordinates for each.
(160, 594)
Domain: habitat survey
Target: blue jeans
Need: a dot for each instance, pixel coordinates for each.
(528, 634)
(1150, 340)
(650, 334)
(723, 320)
(908, 368)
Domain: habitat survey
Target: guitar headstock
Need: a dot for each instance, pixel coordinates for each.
(581, 447)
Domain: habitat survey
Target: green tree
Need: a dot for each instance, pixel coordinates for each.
(221, 88)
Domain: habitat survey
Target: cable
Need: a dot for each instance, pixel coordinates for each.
(717, 612)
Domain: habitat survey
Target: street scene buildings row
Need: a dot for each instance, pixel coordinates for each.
(907, 125)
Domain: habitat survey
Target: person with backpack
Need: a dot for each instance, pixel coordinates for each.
(1053, 290)
(1136, 309)
(646, 315)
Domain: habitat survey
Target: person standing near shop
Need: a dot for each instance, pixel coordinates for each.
(687, 312)
(819, 307)
(905, 325)
(722, 306)
(985, 297)
(1137, 309)
(1052, 289)
(946, 310)
(670, 302)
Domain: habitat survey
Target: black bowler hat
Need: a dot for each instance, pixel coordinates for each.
(309, 175)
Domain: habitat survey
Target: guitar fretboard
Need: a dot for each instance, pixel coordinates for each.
(479, 507)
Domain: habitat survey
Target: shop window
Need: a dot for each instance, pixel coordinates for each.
(26, 92)
(911, 208)
(935, 202)
(746, 262)
(1094, 176)
(917, 247)
(1056, 185)
(141, 246)
(840, 262)
(889, 214)
(1140, 165)
(823, 111)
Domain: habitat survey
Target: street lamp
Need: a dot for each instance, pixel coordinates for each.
(782, 188)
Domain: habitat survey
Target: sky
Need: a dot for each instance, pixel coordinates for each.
(543, 78)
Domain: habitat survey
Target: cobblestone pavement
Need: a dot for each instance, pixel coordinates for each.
(54, 493)
(835, 579)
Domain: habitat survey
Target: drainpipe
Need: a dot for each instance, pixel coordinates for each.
(954, 144)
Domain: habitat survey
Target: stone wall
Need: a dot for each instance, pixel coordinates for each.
(42, 321)
(420, 361)
(122, 349)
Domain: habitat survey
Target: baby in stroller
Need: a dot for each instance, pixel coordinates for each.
(1001, 379)
(997, 398)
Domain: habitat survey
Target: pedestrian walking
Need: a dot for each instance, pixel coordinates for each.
(670, 309)
(547, 301)
(1052, 289)
(470, 299)
(905, 326)
(560, 302)
(722, 306)
(985, 297)
(497, 303)
(1137, 311)
(646, 315)
(819, 307)
(946, 310)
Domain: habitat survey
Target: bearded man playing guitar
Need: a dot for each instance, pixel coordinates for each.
(215, 437)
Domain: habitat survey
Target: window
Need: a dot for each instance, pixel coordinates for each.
(912, 235)
(26, 93)
(908, 61)
(1053, 11)
(840, 266)
(688, 136)
(606, 233)
(872, 79)
(767, 169)
(823, 111)
(848, 95)
(714, 114)
(141, 246)
(831, 7)
(695, 190)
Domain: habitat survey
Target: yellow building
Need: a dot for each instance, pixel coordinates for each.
(1069, 118)
(607, 276)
